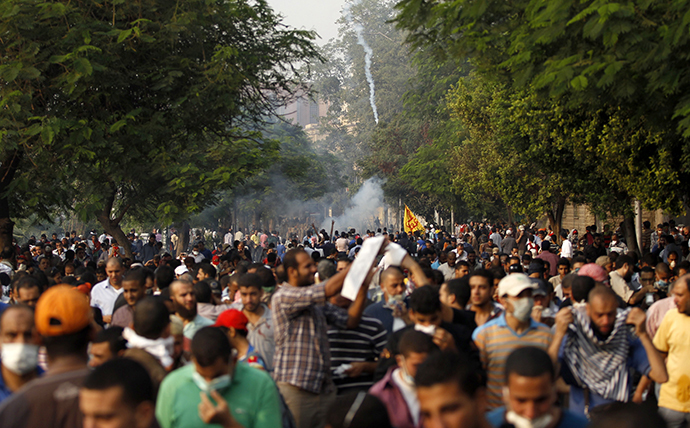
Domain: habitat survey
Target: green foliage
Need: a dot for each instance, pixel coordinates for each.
(600, 83)
(151, 107)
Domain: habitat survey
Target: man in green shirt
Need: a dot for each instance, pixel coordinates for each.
(231, 394)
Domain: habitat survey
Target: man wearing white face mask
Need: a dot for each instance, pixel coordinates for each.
(397, 389)
(19, 342)
(216, 389)
(513, 329)
(530, 394)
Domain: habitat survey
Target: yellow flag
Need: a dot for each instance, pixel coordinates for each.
(411, 222)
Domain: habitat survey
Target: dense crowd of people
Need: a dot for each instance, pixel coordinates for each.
(484, 325)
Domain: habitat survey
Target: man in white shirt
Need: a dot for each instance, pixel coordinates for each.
(567, 246)
(104, 294)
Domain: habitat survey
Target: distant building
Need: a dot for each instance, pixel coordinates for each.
(303, 111)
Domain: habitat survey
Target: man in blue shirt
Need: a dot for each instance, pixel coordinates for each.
(530, 393)
(19, 340)
(597, 348)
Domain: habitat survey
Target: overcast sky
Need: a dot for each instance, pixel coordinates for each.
(318, 15)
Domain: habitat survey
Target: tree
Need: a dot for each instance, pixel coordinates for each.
(616, 72)
(148, 108)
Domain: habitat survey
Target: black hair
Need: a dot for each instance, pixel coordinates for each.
(26, 281)
(209, 344)
(266, 278)
(529, 361)
(248, 280)
(461, 263)
(132, 377)
(207, 269)
(446, 367)
(417, 342)
(112, 335)
(484, 274)
(564, 262)
(151, 317)
(202, 291)
(582, 285)
(68, 344)
(579, 259)
(290, 259)
(460, 288)
(164, 276)
(425, 300)
(136, 274)
(623, 260)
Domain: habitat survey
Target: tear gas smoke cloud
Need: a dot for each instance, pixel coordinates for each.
(368, 53)
(363, 210)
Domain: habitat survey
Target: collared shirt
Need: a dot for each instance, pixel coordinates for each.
(252, 399)
(656, 313)
(5, 391)
(496, 310)
(302, 357)
(496, 340)
(391, 396)
(195, 325)
(103, 296)
(620, 286)
(123, 316)
(262, 337)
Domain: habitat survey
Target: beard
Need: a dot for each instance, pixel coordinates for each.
(598, 333)
(183, 312)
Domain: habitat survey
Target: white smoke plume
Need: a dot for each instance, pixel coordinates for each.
(368, 53)
(362, 214)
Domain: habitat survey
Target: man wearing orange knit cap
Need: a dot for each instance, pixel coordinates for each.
(63, 319)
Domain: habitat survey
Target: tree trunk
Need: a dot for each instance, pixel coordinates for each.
(555, 217)
(630, 234)
(8, 168)
(112, 225)
(183, 242)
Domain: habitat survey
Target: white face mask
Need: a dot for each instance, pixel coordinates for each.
(395, 300)
(428, 329)
(522, 422)
(522, 308)
(19, 358)
(406, 377)
(217, 384)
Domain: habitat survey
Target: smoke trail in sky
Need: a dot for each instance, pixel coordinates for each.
(368, 53)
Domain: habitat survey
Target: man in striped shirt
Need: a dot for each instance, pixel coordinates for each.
(513, 329)
(355, 352)
(302, 360)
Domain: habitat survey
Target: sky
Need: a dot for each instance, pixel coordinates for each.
(318, 15)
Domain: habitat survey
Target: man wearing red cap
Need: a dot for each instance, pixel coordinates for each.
(235, 324)
(63, 319)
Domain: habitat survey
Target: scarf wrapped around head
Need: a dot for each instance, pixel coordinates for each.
(599, 365)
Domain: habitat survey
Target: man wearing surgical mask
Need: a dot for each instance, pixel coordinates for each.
(530, 394)
(216, 389)
(392, 309)
(19, 341)
(513, 329)
(397, 389)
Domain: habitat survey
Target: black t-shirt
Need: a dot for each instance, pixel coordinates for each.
(463, 343)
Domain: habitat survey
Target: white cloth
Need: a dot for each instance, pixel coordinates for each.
(567, 249)
(409, 394)
(103, 296)
(160, 348)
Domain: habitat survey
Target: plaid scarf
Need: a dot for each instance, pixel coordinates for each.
(599, 365)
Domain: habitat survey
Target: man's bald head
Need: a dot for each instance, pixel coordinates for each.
(603, 293)
(114, 261)
(391, 272)
(392, 282)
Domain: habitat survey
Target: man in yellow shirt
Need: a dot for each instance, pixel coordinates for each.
(673, 338)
